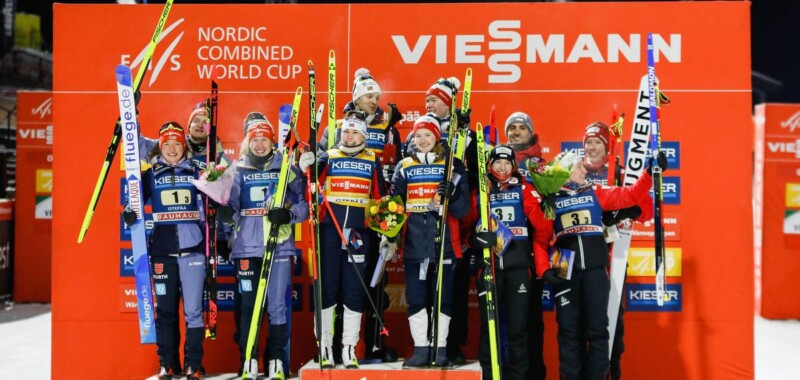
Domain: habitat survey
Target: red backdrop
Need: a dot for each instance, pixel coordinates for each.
(564, 64)
(777, 209)
(33, 217)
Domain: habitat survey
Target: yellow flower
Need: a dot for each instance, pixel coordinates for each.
(392, 206)
(373, 210)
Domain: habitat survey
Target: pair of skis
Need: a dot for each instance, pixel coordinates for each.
(210, 288)
(488, 258)
(271, 239)
(127, 87)
(645, 132)
(456, 133)
(311, 194)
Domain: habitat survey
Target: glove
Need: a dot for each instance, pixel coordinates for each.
(612, 218)
(463, 118)
(225, 214)
(389, 247)
(279, 216)
(306, 159)
(396, 115)
(129, 216)
(484, 240)
(447, 188)
(661, 160)
(552, 278)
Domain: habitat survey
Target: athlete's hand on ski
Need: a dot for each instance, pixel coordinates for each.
(129, 216)
(552, 277)
(484, 240)
(306, 159)
(389, 247)
(661, 160)
(394, 115)
(463, 118)
(279, 216)
(449, 189)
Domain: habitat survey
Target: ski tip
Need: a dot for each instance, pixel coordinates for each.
(469, 71)
(331, 54)
(123, 75)
(385, 332)
(299, 91)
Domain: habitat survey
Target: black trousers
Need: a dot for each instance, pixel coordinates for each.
(581, 312)
(536, 368)
(512, 290)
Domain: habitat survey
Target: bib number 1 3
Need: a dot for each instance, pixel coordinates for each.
(176, 197)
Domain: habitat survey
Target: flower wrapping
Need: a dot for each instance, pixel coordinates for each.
(548, 180)
(216, 183)
(386, 215)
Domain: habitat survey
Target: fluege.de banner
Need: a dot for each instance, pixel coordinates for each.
(566, 65)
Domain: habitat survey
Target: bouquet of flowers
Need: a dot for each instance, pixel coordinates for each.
(386, 215)
(216, 182)
(549, 178)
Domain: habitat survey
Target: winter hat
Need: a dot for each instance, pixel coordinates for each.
(502, 152)
(429, 122)
(258, 128)
(254, 117)
(199, 109)
(445, 89)
(356, 124)
(364, 84)
(599, 130)
(519, 118)
(171, 131)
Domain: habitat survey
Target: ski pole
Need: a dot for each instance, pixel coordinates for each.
(384, 331)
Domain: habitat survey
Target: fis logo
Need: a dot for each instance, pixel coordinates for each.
(671, 149)
(792, 123)
(642, 297)
(125, 263)
(166, 57)
(671, 190)
(43, 109)
(509, 50)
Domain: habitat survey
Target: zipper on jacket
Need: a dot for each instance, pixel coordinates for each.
(346, 216)
(580, 246)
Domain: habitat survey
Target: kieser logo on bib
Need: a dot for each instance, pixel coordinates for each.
(175, 65)
(509, 49)
(792, 122)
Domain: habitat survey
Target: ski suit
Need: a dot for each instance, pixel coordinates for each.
(416, 182)
(177, 263)
(251, 187)
(350, 181)
(516, 205)
(582, 302)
